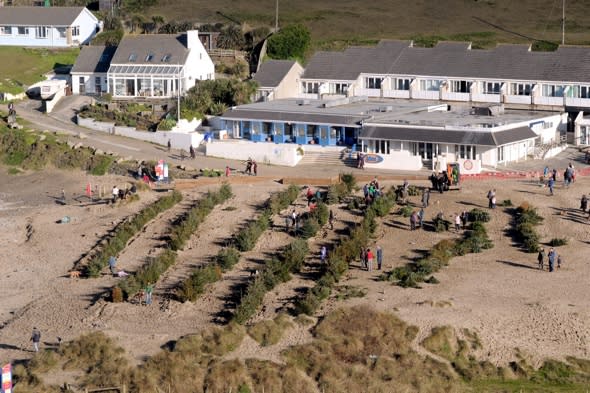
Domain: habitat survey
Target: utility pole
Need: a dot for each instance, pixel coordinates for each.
(562, 22)
(277, 17)
(178, 94)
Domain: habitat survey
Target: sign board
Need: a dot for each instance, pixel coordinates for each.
(371, 158)
(7, 378)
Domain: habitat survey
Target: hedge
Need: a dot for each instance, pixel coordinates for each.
(245, 240)
(474, 241)
(344, 253)
(126, 230)
(151, 272)
(276, 270)
(525, 221)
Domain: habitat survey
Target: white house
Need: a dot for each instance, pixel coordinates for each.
(89, 73)
(277, 79)
(158, 65)
(52, 27)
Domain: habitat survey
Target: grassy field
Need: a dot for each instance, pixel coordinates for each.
(336, 23)
(24, 66)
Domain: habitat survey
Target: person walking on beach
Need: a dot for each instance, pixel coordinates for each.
(413, 221)
(551, 256)
(457, 222)
(169, 145)
(323, 254)
(369, 260)
(541, 258)
(425, 197)
(491, 194)
(331, 219)
(113, 265)
(550, 184)
(559, 261)
(421, 217)
(191, 151)
(363, 258)
(379, 257)
(36, 338)
(149, 289)
(584, 203)
(255, 167)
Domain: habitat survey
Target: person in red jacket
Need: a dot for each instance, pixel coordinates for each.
(369, 260)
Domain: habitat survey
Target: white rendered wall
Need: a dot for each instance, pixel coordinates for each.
(272, 153)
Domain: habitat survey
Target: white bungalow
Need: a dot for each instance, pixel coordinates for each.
(51, 27)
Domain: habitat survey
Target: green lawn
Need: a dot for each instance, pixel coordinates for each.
(24, 66)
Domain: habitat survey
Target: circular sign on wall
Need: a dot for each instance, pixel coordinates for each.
(371, 158)
(468, 165)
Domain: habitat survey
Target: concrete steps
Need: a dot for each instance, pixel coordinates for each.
(326, 157)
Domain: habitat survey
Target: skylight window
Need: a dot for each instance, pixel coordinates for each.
(166, 58)
(132, 57)
(149, 57)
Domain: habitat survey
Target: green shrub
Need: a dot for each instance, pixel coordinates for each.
(337, 193)
(282, 200)
(309, 228)
(406, 211)
(147, 274)
(227, 258)
(559, 241)
(349, 180)
(246, 238)
(195, 285)
(126, 230)
(506, 203)
(440, 224)
(479, 215)
(526, 219)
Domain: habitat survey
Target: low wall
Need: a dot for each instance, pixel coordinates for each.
(12, 97)
(178, 139)
(401, 160)
(270, 153)
(50, 104)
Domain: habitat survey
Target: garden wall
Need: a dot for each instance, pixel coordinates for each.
(178, 139)
(272, 153)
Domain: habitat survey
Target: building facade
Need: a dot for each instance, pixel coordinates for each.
(51, 27)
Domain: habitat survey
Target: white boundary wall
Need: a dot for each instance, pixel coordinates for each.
(178, 139)
(270, 153)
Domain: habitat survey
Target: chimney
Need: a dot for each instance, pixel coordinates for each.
(192, 39)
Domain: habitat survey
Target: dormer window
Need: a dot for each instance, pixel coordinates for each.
(149, 57)
(166, 58)
(132, 58)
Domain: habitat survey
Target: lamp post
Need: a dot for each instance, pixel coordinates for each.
(178, 93)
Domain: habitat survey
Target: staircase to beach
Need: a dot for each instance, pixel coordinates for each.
(326, 157)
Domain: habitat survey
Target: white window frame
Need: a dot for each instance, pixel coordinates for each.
(25, 29)
(372, 82)
(75, 31)
(41, 32)
(430, 84)
(521, 89)
(491, 87)
(5, 30)
(466, 152)
(402, 84)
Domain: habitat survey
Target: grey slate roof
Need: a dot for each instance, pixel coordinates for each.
(272, 72)
(455, 60)
(464, 137)
(37, 16)
(159, 45)
(294, 117)
(94, 59)
(349, 64)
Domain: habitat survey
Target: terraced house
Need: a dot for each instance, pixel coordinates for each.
(512, 75)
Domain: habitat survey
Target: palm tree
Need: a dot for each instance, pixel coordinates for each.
(136, 21)
(157, 20)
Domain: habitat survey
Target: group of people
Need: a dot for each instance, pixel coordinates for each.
(367, 257)
(251, 166)
(181, 152)
(492, 198)
(440, 182)
(552, 257)
(549, 177)
(371, 191)
(121, 194)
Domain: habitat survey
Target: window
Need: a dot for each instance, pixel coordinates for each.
(22, 30)
(75, 31)
(553, 90)
(61, 31)
(382, 147)
(402, 84)
(373, 83)
(460, 86)
(491, 87)
(467, 152)
(311, 87)
(166, 58)
(41, 32)
(149, 57)
(133, 57)
(521, 89)
(5, 30)
(338, 88)
(500, 153)
(430, 85)
(581, 91)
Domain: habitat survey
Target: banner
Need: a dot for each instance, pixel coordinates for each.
(7, 378)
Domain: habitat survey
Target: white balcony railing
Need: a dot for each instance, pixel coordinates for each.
(369, 92)
(572, 101)
(396, 93)
(510, 99)
(541, 100)
(450, 96)
(482, 97)
(425, 94)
